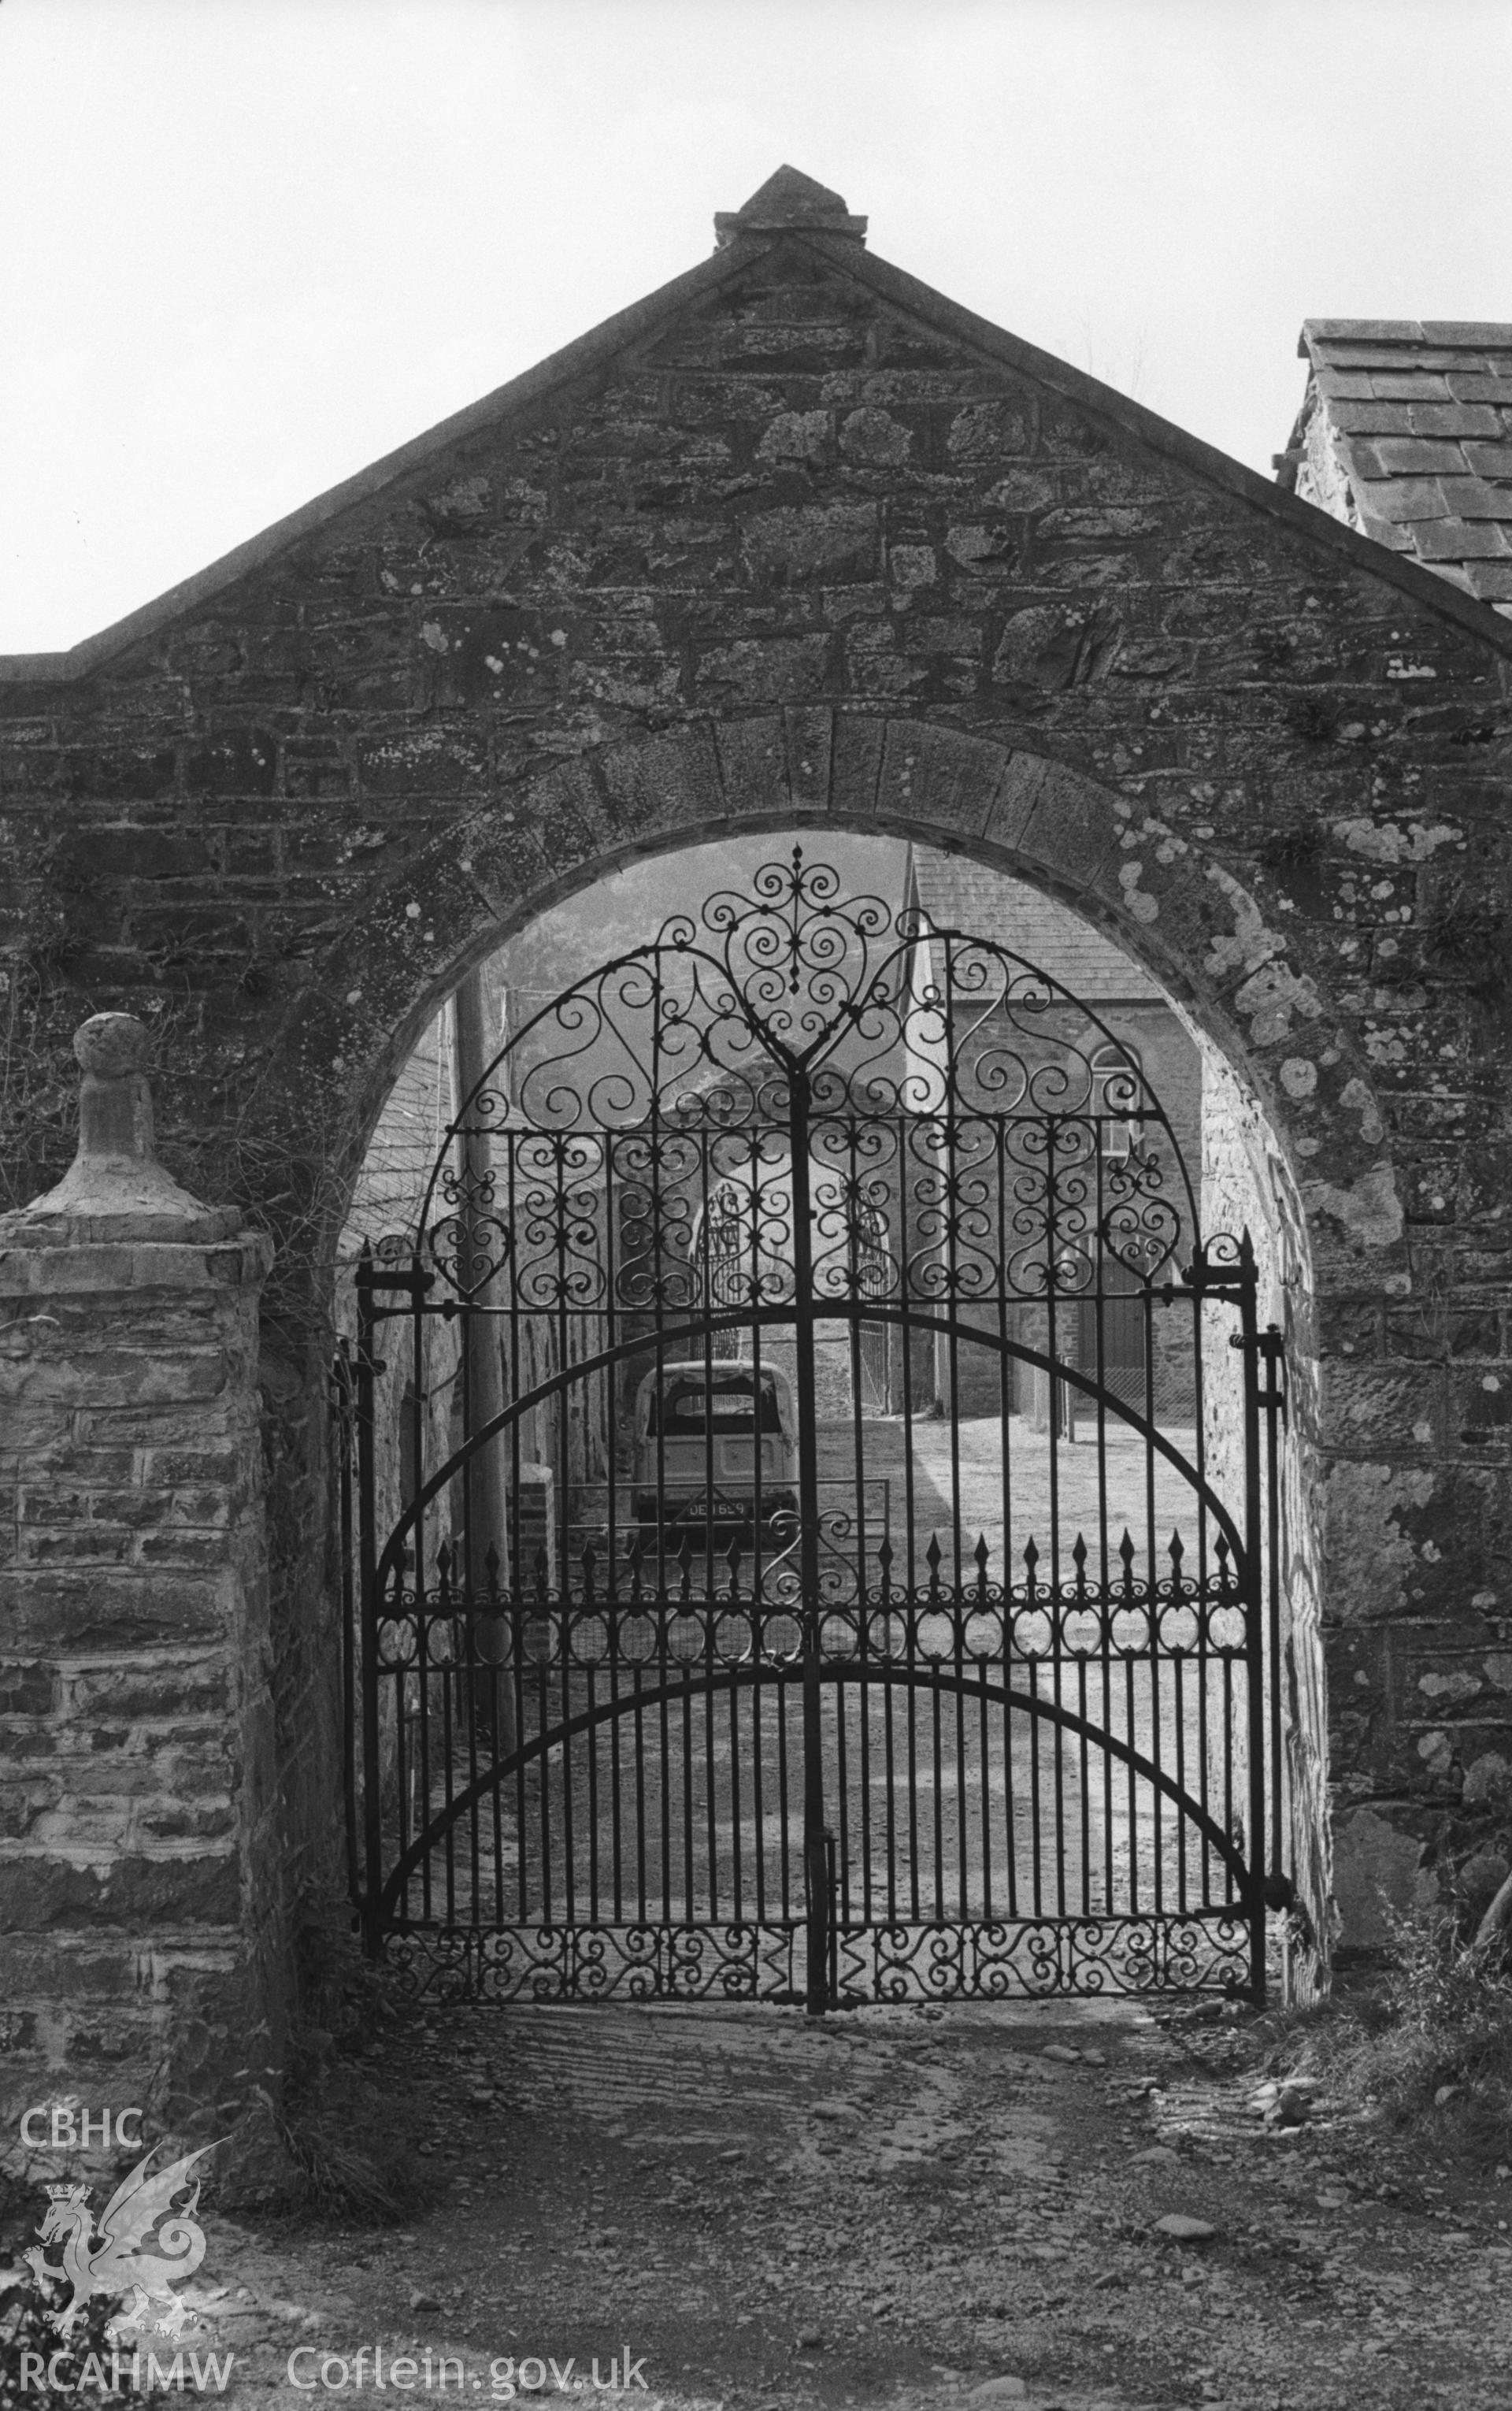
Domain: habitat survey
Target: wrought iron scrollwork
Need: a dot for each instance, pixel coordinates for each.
(933, 1059)
(835, 1185)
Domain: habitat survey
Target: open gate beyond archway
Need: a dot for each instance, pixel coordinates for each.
(824, 1597)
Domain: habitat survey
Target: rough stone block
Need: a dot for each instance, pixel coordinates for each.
(669, 783)
(136, 1893)
(757, 670)
(939, 778)
(856, 767)
(1063, 824)
(753, 765)
(1374, 1857)
(1366, 1404)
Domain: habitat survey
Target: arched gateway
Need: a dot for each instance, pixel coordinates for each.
(782, 1696)
(794, 543)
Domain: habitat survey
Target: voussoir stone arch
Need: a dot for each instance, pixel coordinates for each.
(1212, 936)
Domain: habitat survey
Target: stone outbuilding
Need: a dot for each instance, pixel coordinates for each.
(794, 542)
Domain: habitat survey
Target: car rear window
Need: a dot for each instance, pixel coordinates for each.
(689, 1408)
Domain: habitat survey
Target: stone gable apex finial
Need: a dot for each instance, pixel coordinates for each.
(789, 199)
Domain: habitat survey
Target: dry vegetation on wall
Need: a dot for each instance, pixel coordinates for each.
(1415, 2050)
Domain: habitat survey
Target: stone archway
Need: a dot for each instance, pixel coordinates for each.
(1219, 947)
(1025, 814)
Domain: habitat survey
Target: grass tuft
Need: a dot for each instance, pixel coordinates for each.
(338, 2181)
(1429, 2042)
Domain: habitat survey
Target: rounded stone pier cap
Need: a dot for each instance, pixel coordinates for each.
(115, 1186)
(112, 1043)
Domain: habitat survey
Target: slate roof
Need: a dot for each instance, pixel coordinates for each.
(1405, 433)
(961, 894)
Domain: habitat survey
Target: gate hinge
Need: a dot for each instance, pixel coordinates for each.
(1282, 1901)
(414, 1283)
(1270, 1346)
(1272, 1352)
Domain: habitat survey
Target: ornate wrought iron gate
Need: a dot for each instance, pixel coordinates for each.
(788, 1564)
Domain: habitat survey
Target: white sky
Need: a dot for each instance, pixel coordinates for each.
(246, 246)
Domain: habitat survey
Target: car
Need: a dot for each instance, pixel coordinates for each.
(715, 1444)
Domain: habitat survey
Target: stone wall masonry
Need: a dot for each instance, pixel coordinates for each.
(1247, 1186)
(800, 541)
(141, 1927)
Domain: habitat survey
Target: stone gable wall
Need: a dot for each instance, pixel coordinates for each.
(809, 545)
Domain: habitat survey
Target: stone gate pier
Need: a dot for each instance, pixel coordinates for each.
(136, 1888)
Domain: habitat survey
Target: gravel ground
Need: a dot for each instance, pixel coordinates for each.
(909, 2206)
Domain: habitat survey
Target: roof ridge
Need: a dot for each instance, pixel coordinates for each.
(1469, 331)
(599, 348)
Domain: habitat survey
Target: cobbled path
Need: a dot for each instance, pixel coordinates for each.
(910, 2206)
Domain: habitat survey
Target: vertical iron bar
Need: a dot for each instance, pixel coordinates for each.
(367, 1542)
(710, 1805)
(689, 1819)
(517, 1676)
(561, 1620)
(1271, 1351)
(344, 1403)
(963, 1820)
(1158, 1875)
(591, 1743)
(984, 1764)
(816, 1983)
(638, 1756)
(617, 1839)
(1254, 1616)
